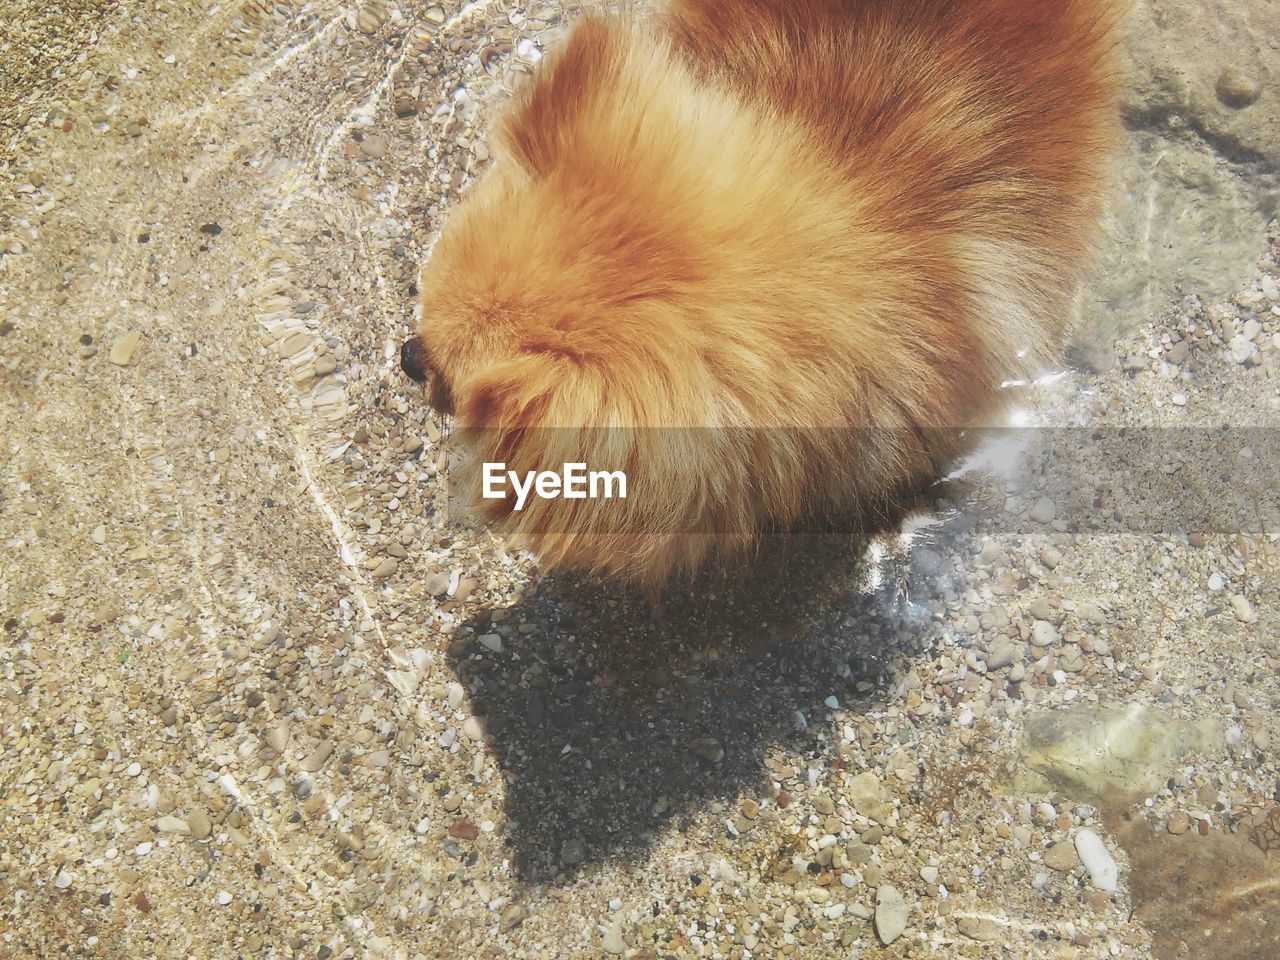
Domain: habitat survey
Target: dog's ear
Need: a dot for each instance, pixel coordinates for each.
(538, 128)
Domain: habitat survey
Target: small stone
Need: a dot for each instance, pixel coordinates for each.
(1043, 634)
(612, 940)
(708, 748)
(434, 15)
(1093, 854)
(473, 729)
(386, 568)
(172, 824)
(370, 18)
(317, 757)
(1178, 824)
(1061, 856)
(1044, 511)
(929, 874)
(278, 737)
(99, 535)
(1236, 89)
(62, 880)
(512, 917)
(199, 823)
(857, 852)
(1242, 348)
(374, 146)
(124, 347)
(1040, 609)
(133, 769)
(437, 584)
(464, 830)
(491, 642)
(867, 796)
(223, 898)
(1001, 655)
(210, 229)
(979, 928)
(823, 805)
(1243, 609)
(326, 365)
(891, 914)
(573, 852)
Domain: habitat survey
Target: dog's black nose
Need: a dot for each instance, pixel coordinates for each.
(413, 359)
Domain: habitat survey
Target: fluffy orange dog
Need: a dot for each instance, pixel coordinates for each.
(821, 232)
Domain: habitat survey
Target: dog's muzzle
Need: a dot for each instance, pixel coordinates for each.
(413, 360)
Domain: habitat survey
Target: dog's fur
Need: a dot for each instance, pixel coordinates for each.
(762, 217)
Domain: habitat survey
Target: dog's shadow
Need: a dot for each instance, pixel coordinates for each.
(610, 716)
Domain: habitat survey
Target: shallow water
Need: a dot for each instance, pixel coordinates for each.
(359, 731)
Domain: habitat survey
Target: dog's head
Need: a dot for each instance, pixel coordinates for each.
(570, 286)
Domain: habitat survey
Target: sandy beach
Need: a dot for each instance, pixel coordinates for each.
(259, 698)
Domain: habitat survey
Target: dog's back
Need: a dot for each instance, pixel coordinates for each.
(986, 124)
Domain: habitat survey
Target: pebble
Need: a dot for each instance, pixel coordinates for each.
(370, 18)
(867, 796)
(386, 568)
(374, 146)
(512, 917)
(1178, 824)
(1001, 655)
(708, 748)
(223, 898)
(62, 880)
(473, 729)
(1044, 511)
(436, 584)
(314, 760)
(464, 830)
(124, 348)
(172, 824)
(278, 737)
(1093, 854)
(133, 769)
(573, 852)
(199, 823)
(1242, 348)
(1237, 89)
(979, 928)
(891, 914)
(612, 941)
(1243, 609)
(1061, 856)
(1043, 634)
